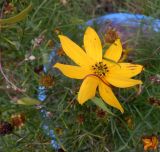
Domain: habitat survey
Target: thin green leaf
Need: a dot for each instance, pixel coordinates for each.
(17, 17)
(28, 101)
(102, 105)
(109, 60)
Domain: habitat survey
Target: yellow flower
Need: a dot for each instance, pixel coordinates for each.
(150, 142)
(95, 70)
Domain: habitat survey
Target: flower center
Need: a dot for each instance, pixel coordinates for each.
(100, 69)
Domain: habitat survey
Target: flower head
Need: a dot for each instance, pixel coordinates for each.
(100, 113)
(9, 8)
(150, 143)
(18, 120)
(111, 35)
(5, 128)
(47, 80)
(96, 70)
(129, 121)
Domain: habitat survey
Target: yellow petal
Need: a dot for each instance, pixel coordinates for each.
(108, 96)
(147, 146)
(73, 51)
(87, 89)
(127, 70)
(155, 141)
(110, 63)
(75, 72)
(114, 51)
(121, 82)
(92, 44)
(146, 141)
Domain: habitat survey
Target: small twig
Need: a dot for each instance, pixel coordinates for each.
(1, 13)
(46, 143)
(1, 69)
(7, 80)
(17, 135)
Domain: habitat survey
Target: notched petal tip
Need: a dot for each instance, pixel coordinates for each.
(137, 82)
(143, 68)
(117, 42)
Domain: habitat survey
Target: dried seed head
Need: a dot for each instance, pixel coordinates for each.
(130, 122)
(60, 52)
(57, 31)
(9, 8)
(18, 120)
(5, 128)
(100, 113)
(47, 81)
(59, 131)
(38, 69)
(50, 43)
(80, 119)
(111, 35)
(154, 101)
(155, 79)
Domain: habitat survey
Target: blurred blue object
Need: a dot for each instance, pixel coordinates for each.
(124, 20)
(42, 95)
(127, 19)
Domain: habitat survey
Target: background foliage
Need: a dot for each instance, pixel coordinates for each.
(79, 128)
